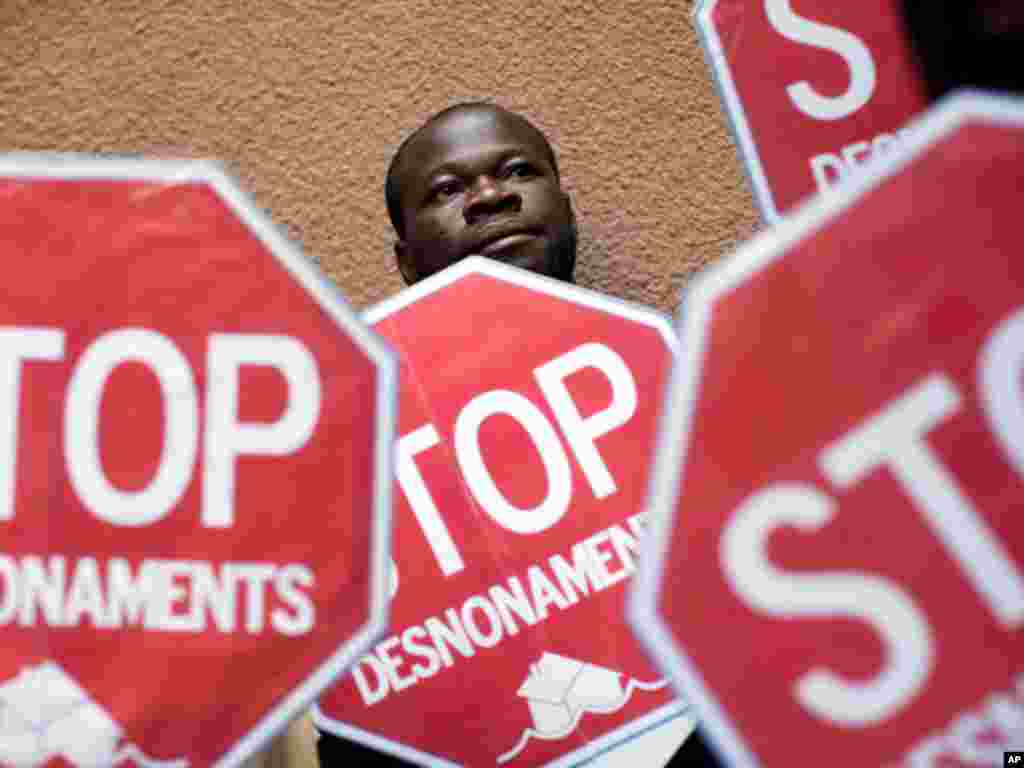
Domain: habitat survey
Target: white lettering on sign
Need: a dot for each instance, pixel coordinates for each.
(849, 47)
(484, 620)
(904, 631)
(895, 441)
(82, 427)
(422, 503)
(999, 383)
(976, 737)
(16, 346)
(157, 595)
(225, 437)
(479, 479)
(580, 433)
(829, 168)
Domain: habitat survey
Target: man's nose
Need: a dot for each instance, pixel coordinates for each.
(490, 196)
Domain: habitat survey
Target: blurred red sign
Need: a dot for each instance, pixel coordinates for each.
(174, 377)
(813, 88)
(842, 469)
(527, 411)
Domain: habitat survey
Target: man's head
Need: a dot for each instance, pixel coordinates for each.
(478, 179)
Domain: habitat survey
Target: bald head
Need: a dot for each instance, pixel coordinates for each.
(479, 179)
(407, 151)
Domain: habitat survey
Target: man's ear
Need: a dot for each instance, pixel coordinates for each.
(570, 205)
(406, 263)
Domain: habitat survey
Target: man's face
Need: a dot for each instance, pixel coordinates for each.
(480, 181)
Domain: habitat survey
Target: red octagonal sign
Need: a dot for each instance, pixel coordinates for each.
(179, 575)
(842, 470)
(813, 88)
(527, 414)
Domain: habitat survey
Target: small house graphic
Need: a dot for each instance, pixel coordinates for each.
(45, 714)
(560, 690)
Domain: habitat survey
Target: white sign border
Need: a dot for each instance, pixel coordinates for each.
(498, 270)
(480, 265)
(85, 167)
(694, 324)
(714, 55)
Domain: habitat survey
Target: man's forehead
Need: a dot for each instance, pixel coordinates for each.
(460, 135)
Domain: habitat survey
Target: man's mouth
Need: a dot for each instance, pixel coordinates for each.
(505, 243)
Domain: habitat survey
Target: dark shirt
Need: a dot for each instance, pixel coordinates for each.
(339, 753)
(336, 752)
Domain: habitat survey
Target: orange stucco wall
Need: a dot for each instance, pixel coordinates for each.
(306, 99)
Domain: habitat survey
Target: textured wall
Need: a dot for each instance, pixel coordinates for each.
(306, 99)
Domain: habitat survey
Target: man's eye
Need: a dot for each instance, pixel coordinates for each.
(520, 170)
(444, 190)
